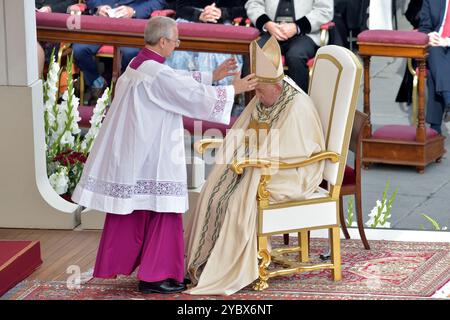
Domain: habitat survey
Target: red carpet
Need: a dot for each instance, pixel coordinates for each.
(18, 259)
(391, 270)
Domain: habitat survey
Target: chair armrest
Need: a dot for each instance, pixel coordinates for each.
(325, 28)
(328, 25)
(237, 21)
(202, 145)
(238, 166)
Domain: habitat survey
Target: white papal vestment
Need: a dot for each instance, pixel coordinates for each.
(137, 161)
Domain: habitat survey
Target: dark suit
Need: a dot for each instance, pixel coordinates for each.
(191, 9)
(438, 81)
(143, 8)
(56, 5)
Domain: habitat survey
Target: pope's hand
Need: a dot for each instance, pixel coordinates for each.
(245, 84)
(227, 68)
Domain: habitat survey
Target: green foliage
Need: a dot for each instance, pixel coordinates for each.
(350, 212)
(435, 224)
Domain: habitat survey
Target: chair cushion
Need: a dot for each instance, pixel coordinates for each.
(394, 37)
(310, 63)
(400, 132)
(349, 176)
(85, 113)
(106, 50)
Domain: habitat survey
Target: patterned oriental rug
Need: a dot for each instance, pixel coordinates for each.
(390, 270)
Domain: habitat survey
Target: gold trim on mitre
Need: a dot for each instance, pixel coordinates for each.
(266, 62)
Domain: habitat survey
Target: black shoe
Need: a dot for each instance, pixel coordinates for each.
(185, 282)
(165, 286)
(436, 127)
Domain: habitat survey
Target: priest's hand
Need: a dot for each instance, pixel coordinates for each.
(245, 84)
(227, 68)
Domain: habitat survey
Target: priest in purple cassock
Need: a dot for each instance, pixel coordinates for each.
(136, 171)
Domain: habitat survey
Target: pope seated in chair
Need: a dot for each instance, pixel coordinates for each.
(221, 242)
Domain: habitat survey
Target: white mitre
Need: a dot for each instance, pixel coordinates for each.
(266, 62)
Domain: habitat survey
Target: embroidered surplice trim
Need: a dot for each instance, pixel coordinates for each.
(142, 187)
(220, 104)
(197, 75)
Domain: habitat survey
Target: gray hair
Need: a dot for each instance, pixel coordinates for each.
(158, 27)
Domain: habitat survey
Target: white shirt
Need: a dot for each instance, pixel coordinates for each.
(137, 161)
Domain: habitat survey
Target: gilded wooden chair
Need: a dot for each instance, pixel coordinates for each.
(334, 87)
(351, 183)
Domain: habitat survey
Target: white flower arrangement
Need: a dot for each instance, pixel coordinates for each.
(67, 150)
(96, 121)
(380, 214)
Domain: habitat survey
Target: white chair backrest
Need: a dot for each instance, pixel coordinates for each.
(334, 88)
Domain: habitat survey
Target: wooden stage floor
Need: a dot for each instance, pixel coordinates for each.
(59, 250)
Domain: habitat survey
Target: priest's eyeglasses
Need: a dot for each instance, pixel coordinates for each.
(177, 41)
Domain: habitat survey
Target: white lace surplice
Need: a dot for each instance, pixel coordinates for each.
(137, 161)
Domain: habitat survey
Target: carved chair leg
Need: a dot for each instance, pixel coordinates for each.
(342, 218)
(303, 242)
(335, 244)
(264, 257)
(286, 238)
(360, 221)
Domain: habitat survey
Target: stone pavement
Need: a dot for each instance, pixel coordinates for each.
(427, 193)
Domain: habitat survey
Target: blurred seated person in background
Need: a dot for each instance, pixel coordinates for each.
(350, 17)
(412, 14)
(84, 54)
(171, 4)
(206, 11)
(435, 21)
(296, 26)
(44, 49)
(59, 6)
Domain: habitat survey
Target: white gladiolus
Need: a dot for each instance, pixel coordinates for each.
(67, 139)
(60, 180)
(96, 121)
(63, 134)
(51, 89)
(373, 214)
